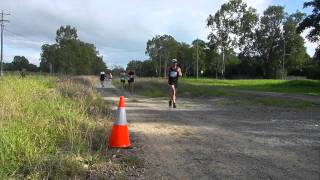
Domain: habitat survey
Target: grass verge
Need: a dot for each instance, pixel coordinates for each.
(155, 87)
(49, 127)
(308, 87)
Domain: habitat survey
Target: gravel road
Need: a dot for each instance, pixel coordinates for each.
(216, 139)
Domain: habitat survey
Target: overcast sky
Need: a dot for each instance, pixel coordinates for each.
(119, 29)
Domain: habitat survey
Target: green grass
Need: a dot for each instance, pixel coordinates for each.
(46, 127)
(197, 87)
(308, 87)
(155, 87)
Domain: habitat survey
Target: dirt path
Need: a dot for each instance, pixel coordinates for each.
(206, 139)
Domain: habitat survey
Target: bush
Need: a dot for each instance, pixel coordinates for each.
(312, 71)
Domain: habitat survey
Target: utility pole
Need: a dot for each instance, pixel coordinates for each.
(284, 56)
(197, 58)
(165, 65)
(160, 67)
(223, 64)
(159, 53)
(2, 21)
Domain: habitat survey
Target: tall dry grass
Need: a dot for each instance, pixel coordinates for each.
(49, 127)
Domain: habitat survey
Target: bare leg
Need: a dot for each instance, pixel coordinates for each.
(173, 94)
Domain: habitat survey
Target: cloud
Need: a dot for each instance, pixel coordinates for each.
(119, 29)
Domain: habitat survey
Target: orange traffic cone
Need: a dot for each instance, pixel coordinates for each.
(120, 134)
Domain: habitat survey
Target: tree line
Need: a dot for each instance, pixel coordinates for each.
(19, 63)
(70, 55)
(241, 44)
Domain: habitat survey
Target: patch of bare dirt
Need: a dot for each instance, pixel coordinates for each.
(210, 139)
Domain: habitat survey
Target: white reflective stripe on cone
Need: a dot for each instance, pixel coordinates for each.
(122, 117)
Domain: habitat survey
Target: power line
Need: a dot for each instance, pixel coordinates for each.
(15, 34)
(20, 37)
(2, 21)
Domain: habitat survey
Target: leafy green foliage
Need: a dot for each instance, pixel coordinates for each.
(162, 49)
(242, 44)
(19, 63)
(146, 68)
(296, 56)
(312, 21)
(231, 27)
(70, 55)
(270, 40)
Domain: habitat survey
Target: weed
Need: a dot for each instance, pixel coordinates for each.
(46, 125)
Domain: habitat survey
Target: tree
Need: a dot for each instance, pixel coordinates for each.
(49, 60)
(295, 55)
(312, 21)
(20, 62)
(277, 43)
(184, 56)
(66, 33)
(212, 60)
(230, 27)
(269, 40)
(161, 49)
(71, 55)
(32, 68)
(155, 51)
(8, 67)
(116, 70)
(198, 52)
(145, 68)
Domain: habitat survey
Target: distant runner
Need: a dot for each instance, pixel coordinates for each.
(110, 76)
(173, 75)
(122, 79)
(102, 78)
(131, 80)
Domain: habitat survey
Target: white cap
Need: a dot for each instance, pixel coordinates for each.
(102, 73)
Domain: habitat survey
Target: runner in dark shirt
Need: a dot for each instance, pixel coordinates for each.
(131, 80)
(102, 78)
(173, 75)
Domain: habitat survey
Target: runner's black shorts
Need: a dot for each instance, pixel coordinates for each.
(175, 83)
(131, 80)
(122, 80)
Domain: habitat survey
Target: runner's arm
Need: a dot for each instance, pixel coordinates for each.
(179, 71)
